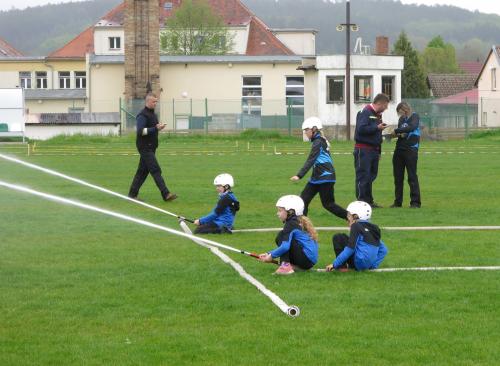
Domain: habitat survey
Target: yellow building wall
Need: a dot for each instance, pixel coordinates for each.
(106, 85)
(53, 106)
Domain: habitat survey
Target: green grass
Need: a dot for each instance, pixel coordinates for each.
(81, 288)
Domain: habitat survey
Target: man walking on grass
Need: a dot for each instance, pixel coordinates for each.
(147, 143)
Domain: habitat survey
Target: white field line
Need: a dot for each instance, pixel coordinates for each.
(114, 214)
(84, 183)
(429, 269)
(290, 310)
(389, 228)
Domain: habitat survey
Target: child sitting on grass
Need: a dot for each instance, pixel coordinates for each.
(297, 242)
(362, 249)
(221, 219)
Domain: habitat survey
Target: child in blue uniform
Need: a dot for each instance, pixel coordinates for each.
(362, 249)
(221, 219)
(323, 178)
(297, 242)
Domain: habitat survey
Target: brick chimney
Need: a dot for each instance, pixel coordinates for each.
(142, 47)
(382, 45)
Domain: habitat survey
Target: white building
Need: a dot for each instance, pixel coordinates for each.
(488, 86)
(325, 85)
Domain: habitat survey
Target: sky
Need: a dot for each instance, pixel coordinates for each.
(484, 6)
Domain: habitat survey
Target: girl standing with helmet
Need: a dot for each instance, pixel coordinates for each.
(221, 219)
(323, 178)
(362, 249)
(297, 242)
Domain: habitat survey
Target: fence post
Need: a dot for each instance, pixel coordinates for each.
(466, 119)
(206, 116)
(121, 116)
(289, 119)
(174, 124)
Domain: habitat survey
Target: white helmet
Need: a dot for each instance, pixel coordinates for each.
(292, 202)
(312, 122)
(224, 179)
(362, 209)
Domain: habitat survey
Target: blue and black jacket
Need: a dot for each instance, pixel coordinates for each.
(409, 133)
(366, 246)
(321, 162)
(224, 212)
(367, 131)
(293, 232)
(146, 119)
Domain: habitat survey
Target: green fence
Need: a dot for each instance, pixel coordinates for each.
(444, 120)
(207, 115)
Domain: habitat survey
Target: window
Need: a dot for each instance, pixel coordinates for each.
(252, 95)
(362, 89)
(335, 89)
(41, 79)
(114, 43)
(25, 79)
(64, 79)
(493, 79)
(80, 79)
(295, 91)
(388, 86)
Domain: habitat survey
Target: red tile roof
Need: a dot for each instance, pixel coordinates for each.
(261, 41)
(471, 96)
(471, 67)
(6, 50)
(77, 47)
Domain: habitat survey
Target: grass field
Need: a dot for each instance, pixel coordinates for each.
(82, 288)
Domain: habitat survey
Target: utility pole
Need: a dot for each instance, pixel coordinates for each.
(348, 27)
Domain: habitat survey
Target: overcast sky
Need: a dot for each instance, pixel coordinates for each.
(484, 6)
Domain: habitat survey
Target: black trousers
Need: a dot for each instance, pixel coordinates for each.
(327, 196)
(211, 229)
(339, 242)
(366, 166)
(148, 165)
(401, 160)
(296, 256)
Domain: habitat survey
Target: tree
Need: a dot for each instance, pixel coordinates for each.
(194, 29)
(413, 84)
(440, 57)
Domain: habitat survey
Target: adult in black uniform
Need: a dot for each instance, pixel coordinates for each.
(367, 150)
(406, 155)
(147, 143)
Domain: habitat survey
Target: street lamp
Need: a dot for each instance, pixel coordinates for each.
(348, 27)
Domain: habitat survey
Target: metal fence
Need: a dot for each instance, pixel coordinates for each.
(438, 120)
(206, 115)
(441, 120)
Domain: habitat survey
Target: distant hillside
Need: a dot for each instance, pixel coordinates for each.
(37, 31)
(472, 33)
(41, 30)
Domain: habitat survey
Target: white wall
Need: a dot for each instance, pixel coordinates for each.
(489, 98)
(44, 132)
(12, 108)
(375, 66)
(101, 40)
(301, 43)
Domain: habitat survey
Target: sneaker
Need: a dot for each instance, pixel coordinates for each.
(415, 206)
(376, 205)
(394, 205)
(170, 197)
(285, 269)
